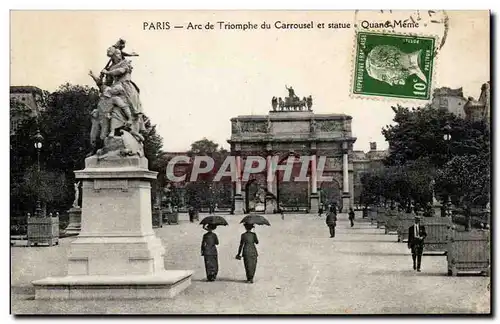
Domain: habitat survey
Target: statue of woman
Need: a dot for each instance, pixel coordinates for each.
(274, 103)
(77, 194)
(121, 70)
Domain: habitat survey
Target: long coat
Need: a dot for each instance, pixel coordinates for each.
(331, 219)
(208, 244)
(249, 251)
(411, 235)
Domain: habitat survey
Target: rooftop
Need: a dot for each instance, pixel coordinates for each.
(25, 89)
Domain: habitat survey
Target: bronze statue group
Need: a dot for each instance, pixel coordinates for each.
(247, 249)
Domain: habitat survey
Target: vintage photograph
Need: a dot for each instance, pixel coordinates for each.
(216, 162)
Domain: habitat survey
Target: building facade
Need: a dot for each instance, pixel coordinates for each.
(451, 100)
(25, 102)
(479, 109)
(366, 162)
(291, 132)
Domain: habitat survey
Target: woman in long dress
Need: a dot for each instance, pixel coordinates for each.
(209, 252)
(248, 249)
(120, 71)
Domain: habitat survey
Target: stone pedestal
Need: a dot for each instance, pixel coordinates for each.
(75, 221)
(346, 202)
(270, 204)
(437, 209)
(436, 206)
(117, 254)
(238, 205)
(314, 203)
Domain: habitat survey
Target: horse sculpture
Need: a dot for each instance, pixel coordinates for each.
(295, 103)
(292, 102)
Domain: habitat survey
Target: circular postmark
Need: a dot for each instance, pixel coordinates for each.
(429, 22)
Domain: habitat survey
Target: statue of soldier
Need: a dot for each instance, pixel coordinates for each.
(274, 103)
(291, 92)
(309, 103)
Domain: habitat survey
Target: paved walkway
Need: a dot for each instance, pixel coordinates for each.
(300, 270)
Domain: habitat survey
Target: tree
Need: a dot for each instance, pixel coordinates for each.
(22, 156)
(466, 180)
(372, 188)
(420, 133)
(417, 143)
(203, 147)
(153, 144)
(205, 191)
(65, 125)
(404, 185)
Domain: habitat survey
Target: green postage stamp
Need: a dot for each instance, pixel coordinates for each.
(391, 65)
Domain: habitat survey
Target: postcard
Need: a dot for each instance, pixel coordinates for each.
(250, 162)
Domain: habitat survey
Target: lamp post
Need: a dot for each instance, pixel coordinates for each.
(447, 138)
(37, 141)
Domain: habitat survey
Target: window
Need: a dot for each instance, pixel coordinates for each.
(443, 102)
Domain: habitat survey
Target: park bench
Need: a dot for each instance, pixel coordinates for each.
(392, 220)
(405, 220)
(43, 230)
(468, 251)
(437, 229)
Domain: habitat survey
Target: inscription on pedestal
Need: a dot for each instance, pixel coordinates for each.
(110, 184)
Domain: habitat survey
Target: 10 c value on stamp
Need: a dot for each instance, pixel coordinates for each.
(392, 65)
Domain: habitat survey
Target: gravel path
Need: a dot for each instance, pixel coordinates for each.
(300, 270)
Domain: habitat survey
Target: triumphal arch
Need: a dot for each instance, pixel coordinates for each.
(291, 133)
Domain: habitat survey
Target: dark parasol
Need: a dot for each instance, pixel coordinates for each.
(255, 219)
(213, 220)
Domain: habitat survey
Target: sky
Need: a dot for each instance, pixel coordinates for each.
(193, 81)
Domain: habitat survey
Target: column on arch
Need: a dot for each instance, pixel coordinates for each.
(238, 174)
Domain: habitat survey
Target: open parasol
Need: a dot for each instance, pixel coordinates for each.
(213, 220)
(255, 219)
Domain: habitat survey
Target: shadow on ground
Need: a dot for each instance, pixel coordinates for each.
(221, 279)
(364, 241)
(373, 253)
(408, 273)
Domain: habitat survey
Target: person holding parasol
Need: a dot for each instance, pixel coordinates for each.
(247, 246)
(209, 245)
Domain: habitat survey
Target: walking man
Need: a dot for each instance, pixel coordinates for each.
(351, 216)
(331, 220)
(416, 236)
(281, 211)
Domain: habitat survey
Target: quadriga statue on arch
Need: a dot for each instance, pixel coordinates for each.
(117, 122)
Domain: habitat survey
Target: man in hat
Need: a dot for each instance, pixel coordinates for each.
(331, 220)
(416, 236)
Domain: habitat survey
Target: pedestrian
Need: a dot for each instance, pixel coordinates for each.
(331, 220)
(416, 236)
(209, 252)
(248, 250)
(191, 213)
(280, 208)
(351, 216)
(334, 208)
